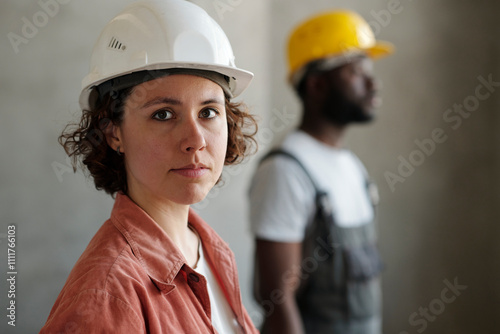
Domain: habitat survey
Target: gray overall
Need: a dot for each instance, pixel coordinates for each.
(340, 289)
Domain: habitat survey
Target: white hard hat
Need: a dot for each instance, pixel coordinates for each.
(162, 34)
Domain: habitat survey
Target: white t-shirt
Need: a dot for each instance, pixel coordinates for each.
(282, 196)
(223, 318)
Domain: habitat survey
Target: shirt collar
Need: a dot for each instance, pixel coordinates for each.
(152, 247)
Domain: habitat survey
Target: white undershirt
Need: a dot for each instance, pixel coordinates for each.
(223, 318)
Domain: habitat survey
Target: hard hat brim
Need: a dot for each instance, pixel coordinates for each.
(380, 50)
(239, 79)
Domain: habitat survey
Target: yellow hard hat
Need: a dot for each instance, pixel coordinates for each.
(334, 34)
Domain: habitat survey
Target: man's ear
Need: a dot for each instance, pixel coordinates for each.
(316, 85)
(113, 136)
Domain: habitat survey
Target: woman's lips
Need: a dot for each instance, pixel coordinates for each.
(192, 172)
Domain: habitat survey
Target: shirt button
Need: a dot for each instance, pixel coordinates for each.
(194, 277)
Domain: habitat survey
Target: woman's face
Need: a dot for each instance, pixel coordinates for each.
(174, 138)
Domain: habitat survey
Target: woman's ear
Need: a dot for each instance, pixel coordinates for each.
(113, 136)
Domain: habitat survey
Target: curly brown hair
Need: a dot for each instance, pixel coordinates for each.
(86, 142)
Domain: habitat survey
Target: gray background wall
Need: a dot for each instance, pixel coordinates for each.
(440, 224)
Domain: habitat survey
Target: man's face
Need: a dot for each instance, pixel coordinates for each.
(351, 95)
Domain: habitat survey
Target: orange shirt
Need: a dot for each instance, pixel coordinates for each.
(133, 279)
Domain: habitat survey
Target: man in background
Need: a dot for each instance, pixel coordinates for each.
(312, 207)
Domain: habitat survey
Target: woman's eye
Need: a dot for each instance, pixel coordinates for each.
(162, 115)
(209, 113)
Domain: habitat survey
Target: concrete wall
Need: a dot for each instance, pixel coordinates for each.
(439, 225)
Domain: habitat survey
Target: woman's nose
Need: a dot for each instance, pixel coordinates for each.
(193, 136)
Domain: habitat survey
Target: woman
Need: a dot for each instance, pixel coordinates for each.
(156, 130)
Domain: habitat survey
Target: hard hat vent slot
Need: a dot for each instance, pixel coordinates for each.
(115, 44)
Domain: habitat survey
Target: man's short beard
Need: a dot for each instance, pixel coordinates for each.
(341, 111)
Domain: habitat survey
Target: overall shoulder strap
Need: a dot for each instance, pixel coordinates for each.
(289, 155)
(321, 200)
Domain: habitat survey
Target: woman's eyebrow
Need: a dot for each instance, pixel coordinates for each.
(161, 100)
(214, 100)
(172, 101)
